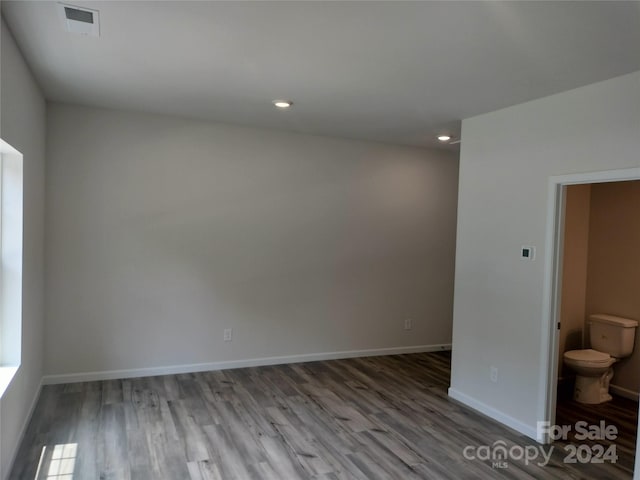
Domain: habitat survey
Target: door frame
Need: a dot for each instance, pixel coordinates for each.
(552, 286)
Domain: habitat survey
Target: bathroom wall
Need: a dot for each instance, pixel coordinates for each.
(613, 271)
(574, 270)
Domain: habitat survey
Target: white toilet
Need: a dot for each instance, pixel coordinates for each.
(612, 338)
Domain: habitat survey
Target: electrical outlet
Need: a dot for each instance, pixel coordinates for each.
(227, 334)
(494, 374)
(408, 324)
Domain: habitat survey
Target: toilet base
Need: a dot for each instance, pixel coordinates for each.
(593, 390)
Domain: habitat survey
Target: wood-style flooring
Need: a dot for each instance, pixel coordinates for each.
(367, 418)
(620, 413)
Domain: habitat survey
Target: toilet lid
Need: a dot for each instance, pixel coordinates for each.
(592, 356)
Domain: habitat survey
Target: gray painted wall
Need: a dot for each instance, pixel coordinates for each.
(162, 232)
(22, 108)
(506, 160)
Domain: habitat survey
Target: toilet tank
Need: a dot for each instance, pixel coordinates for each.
(612, 335)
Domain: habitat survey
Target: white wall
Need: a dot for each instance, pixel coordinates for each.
(22, 108)
(162, 232)
(506, 159)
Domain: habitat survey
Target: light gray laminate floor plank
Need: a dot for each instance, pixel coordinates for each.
(365, 419)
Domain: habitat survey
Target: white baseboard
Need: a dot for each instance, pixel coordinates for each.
(491, 412)
(225, 365)
(624, 392)
(23, 429)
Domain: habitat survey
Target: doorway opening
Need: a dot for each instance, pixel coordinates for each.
(593, 235)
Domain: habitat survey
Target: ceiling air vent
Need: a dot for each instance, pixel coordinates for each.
(80, 20)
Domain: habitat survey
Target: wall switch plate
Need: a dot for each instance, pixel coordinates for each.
(227, 334)
(494, 374)
(408, 324)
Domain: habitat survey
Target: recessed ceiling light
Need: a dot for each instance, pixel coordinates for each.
(444, 138)
(282, 103)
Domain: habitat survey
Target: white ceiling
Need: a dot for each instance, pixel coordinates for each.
(388, 71)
